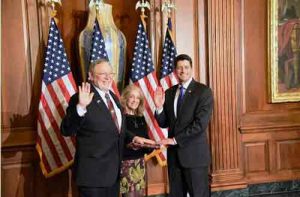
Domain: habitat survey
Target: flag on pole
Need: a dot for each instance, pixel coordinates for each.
(143, 75)
(98, 51)
(168, 78)
(56, 152)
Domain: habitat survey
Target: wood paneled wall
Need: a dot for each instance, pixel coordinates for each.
(252, 140)
(224, 63)
(270, 132)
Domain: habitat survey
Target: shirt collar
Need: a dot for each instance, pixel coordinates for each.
(101, 92)
(186, 84)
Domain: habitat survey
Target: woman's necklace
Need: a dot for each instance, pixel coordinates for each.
(135, 122)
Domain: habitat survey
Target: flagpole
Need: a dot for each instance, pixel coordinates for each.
(167, 76)
(51, 4)
(168, 6)
(143, 5)
(56, 152)
(98, 4)
(94, 7)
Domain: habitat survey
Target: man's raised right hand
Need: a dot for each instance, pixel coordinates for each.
(159, 97)
(85, 95)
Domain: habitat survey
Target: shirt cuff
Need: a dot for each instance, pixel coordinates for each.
(158, 111)
(80, 110)
(174, 140)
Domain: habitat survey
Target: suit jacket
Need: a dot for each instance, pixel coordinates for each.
(98, 142)
(189, 128)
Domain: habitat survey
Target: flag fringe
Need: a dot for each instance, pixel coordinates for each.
(55, 171)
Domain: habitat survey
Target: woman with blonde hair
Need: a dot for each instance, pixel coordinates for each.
(133, 165)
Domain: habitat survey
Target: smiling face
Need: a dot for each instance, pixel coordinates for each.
(133, 100)
(183, 70)
(101, 76)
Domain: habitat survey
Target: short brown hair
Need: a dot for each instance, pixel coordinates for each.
(125, 96)
(182, 57)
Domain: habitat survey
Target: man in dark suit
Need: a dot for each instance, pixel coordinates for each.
(186, 109)
(94, 116)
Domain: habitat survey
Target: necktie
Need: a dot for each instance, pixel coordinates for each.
(180, 98)
(112, 110)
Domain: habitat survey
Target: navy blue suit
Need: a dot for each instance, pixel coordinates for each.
(189, 130)
(99, 144)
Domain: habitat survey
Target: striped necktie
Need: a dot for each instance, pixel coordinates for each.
(112, 110)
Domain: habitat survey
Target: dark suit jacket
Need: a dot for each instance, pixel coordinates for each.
(189, 127)
(98, 143)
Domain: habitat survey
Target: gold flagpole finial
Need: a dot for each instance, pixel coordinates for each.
(142, 4)
(168, 6)
(97, 4)
(52, 4)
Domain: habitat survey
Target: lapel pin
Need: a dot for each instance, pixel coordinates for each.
(98, 101)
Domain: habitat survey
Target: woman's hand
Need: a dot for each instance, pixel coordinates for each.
(140, 142)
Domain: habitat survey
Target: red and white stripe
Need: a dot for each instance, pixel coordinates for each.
(57, 152)
(148, 86)
(114, 89)
(169, 81)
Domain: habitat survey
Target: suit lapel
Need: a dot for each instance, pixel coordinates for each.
(99, 102)
(97, 99)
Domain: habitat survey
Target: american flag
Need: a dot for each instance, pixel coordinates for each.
(56, 152)
(143, 75)
(98, 50)
(168, 78)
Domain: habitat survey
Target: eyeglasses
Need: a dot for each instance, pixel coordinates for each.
(105, 74)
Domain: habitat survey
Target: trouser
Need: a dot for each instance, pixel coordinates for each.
(112, 191)
(188, 180)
